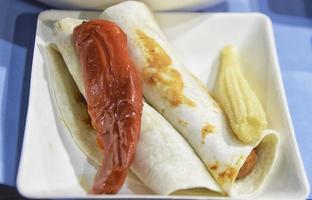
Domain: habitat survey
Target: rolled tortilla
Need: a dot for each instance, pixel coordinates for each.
(185, 102)
(163, 159)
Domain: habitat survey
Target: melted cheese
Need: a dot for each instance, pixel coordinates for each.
(159, 73)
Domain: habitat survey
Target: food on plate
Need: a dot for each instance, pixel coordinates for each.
(163, 160)
(185, 102)
(240, 103)
(96, 55)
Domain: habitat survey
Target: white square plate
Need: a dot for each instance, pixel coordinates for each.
(53, 166)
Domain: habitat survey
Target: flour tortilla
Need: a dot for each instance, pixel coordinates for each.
(164, 161)
(221, 152)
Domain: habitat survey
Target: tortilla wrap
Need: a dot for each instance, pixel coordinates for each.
(185, 102)
(163, 159)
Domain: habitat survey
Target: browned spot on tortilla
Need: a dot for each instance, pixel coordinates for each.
(227, 175)
(207, 129)
(160, 74)
(182, 122)
(214, 166)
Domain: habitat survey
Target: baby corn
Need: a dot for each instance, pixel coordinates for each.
(240, 103)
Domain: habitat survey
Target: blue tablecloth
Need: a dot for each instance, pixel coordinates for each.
(292, 23)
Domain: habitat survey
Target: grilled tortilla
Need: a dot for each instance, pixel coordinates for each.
(185, 102)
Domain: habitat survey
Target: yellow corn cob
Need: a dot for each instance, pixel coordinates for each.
(240, 103)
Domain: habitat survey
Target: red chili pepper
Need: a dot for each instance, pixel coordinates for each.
(114, 98)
